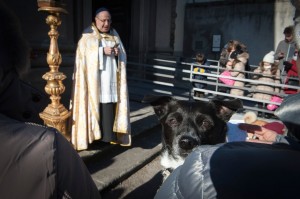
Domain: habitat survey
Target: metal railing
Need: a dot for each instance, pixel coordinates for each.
(175, 78)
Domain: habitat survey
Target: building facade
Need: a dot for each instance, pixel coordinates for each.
(170, 27)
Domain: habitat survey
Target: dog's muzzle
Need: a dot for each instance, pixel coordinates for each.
(187, 143)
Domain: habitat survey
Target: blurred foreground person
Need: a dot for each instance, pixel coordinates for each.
(37, 162)
(265, 167)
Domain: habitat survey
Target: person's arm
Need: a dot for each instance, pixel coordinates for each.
(279, 53)
(262, 135)
(255, 75)
(228, 67)
(294, 66)
(223, 57)
(238, 68)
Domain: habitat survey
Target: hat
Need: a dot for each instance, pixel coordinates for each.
(278, 127)
(269, 57)
(101, 10)
(250, 117)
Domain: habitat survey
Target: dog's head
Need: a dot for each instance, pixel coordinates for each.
(188, 124)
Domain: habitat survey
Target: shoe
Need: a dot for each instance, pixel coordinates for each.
(113, 143)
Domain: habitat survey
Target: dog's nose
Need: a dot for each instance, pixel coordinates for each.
(187, 143)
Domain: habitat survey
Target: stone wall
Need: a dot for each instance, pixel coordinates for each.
(259, 25)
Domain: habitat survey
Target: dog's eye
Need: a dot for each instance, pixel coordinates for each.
(172, 122)
(174, 119)
(204, 122)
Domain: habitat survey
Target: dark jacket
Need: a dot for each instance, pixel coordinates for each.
(37, 162)
(21, 101)
(238, 170)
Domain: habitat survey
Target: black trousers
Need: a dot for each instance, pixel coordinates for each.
(107, 118)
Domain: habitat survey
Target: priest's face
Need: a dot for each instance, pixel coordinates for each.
(103, 21)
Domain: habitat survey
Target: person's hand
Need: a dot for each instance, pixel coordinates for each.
(280, 55)
(260, 134)
(108, 51)
(116, 51)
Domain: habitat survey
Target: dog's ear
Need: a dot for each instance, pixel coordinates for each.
(159, 104)
(226, 108)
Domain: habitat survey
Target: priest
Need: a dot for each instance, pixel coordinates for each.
(99, 101)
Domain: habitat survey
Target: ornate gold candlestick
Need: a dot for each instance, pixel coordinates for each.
(55, 114)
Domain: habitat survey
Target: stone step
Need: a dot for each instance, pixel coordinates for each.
(111, 164)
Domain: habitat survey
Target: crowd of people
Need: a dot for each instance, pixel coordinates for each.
(276, 67)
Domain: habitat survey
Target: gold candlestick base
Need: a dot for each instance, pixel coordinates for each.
(56, 117)
(55, 114)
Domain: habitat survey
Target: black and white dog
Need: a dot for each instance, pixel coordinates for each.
(188, 124)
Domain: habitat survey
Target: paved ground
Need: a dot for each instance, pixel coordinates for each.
(141, 185)
(110, 165)
(109, 168)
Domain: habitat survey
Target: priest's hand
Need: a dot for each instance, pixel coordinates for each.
(108, 51)
(116, 51)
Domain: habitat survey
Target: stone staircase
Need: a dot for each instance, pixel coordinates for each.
(109, 164)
